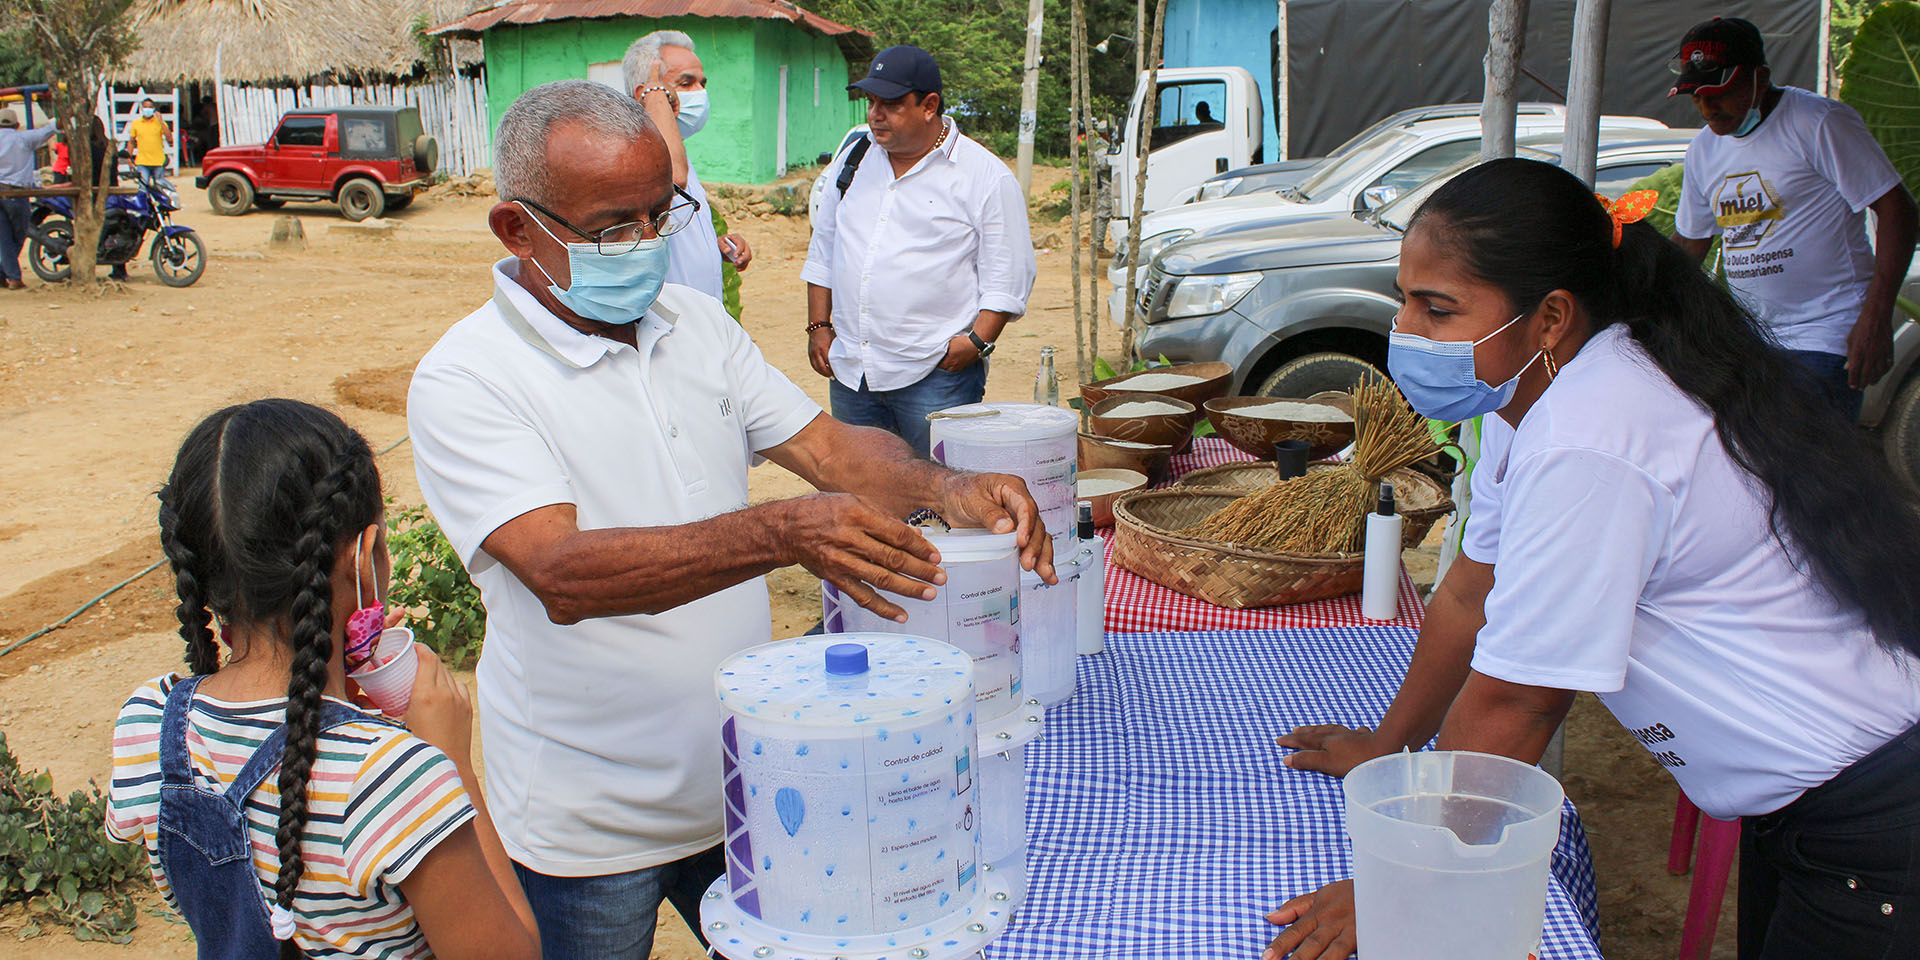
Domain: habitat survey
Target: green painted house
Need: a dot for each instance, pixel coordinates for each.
(777, 73)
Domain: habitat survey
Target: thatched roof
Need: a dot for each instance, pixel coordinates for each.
(279, 41)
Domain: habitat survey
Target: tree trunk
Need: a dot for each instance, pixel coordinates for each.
(1149, 107)
(1506, 40)
(1581, 148)
(1076, 62)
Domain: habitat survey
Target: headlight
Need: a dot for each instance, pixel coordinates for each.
(1149, 246)
(1215, 189)
(1202, 295)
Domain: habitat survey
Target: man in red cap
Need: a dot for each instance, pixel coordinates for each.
(1784, 177)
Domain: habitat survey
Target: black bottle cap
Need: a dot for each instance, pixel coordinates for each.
(1385, 505)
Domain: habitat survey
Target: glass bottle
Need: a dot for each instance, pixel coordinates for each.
(1046, 384)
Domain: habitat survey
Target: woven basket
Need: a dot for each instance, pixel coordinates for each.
(1420, 499)
(1146, 542)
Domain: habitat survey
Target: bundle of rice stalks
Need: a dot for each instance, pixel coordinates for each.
(1325, 511)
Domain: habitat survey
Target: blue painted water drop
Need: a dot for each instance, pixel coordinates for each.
(807, 915)
(766, 862)
(882, 735)
(757, 748)
(792, 809)
(831, 867)
(944, 897)
(843, 763)
(801, 750)
(846, 811)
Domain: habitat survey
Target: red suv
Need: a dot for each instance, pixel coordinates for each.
(367, 159)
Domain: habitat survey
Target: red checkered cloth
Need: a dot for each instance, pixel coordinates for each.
(1138, 605)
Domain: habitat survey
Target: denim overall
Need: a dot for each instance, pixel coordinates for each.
(204, 848)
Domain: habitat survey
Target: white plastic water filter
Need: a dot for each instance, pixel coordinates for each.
(1049, 634)
(1032, 441)
(1003, 826)
(1380, 570)
(849, 783)
(977, 610)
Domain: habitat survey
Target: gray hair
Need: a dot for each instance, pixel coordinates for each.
(637, 66)
(520, 145)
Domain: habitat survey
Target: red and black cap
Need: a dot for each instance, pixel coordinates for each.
(1712, 54)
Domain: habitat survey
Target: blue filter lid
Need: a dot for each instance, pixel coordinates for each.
(846, 660)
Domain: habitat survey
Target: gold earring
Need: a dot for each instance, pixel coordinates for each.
(1553, 368)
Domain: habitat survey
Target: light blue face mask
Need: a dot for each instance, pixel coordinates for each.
(617, 289)
(693, 112)
(1438, 379)
(1754, 116)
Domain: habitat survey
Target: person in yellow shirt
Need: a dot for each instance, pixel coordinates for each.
(147, 138)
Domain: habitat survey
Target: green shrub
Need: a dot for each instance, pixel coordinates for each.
(729, 274)
(431, 582)
(55, 855)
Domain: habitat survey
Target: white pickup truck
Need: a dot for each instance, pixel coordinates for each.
(1208, 120)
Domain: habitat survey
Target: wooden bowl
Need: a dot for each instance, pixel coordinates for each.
(1257, 435)
(1103, 503)
(1216, 380)
(1100, 453)
(1161, 429)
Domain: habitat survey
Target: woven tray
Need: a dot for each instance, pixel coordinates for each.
(1146, 542)
(1421, 500)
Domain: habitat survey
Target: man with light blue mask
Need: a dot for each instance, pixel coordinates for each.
(663, 73)
(1784, 178)
(584, 439)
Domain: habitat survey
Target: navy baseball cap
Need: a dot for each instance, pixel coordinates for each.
(1712, 53)
(898, 71)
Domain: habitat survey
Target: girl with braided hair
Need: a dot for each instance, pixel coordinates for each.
(279, 819)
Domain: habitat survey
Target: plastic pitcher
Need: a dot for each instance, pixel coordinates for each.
(1450, 855)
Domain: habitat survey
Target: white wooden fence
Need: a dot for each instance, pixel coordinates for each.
(453, 111)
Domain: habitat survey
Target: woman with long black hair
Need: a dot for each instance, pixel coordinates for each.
(1667, 515)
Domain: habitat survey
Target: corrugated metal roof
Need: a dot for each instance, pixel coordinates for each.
(542, 11)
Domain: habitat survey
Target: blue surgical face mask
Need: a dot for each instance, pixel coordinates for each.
(146, 111)
(1438, 379)
(617, 289)
(1754, 116)
(693, 112)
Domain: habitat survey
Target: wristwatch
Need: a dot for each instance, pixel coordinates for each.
(985, 347)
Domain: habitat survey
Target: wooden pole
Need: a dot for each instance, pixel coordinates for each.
(1283, 85)
(1506, 43)
(1149, 108)
(1581, 147)
(1076, 63)
(1096, 223)
(1030, 97)
(1824, 83)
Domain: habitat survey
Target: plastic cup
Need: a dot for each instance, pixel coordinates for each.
(389, 684)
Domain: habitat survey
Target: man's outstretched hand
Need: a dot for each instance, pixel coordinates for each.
(1333, 749)
(1319, 925)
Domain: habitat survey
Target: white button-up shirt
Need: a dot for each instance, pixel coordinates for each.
(694, 252)
(912, 260)
(600, 737)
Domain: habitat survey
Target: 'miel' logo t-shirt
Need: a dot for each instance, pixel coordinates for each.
(1787, 202)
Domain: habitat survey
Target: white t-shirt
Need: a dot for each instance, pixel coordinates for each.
(694, 251)
(1633, 558)
(1788, 202)
(601, 739)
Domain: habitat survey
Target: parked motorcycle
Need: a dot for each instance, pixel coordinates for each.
(178, 255)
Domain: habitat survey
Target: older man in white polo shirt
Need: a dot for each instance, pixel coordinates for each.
(913, 272)
(584, 438)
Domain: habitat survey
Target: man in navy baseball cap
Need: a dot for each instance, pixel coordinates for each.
(898, 71)
(1712, 55)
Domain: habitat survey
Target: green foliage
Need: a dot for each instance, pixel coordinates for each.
(729, 274)
(18, 65)
(1667, 184)
(1845, 22)
(981, 44)
(55, 855)
(431, 582)
(1881, 79)
(1057, 204)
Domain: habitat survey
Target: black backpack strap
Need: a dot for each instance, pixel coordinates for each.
(851, 165)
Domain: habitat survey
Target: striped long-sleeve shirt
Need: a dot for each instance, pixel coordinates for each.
(379, 799)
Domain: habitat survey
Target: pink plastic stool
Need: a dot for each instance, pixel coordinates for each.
(1719, 842)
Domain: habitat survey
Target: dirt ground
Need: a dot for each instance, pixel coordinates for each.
(96, 391)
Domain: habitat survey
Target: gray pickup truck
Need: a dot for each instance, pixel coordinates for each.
(1302, 307)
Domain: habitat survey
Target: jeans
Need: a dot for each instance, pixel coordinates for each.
(14, 212)
(612, 917)
(1835, 875)
(151, 176)
(1829, 372)
(903, 412)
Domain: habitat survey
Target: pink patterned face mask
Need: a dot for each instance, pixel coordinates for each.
(366, 623)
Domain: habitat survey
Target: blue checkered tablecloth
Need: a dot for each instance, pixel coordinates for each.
(1162, 823)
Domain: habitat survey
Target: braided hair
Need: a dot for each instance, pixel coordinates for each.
(260, 497)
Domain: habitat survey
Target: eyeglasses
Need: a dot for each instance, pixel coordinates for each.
(624, 237)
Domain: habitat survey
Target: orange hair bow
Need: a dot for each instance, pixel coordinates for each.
(1630, 208)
